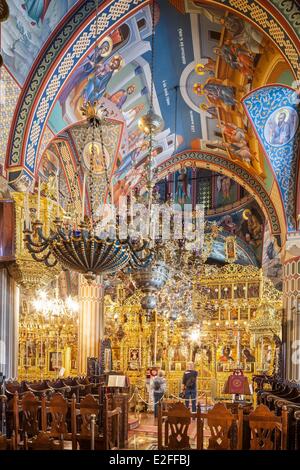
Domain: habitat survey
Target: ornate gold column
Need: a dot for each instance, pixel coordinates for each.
(9, 316)
(291, 291)
(91, 320)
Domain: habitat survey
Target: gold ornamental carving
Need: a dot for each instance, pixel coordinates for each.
(29, 274)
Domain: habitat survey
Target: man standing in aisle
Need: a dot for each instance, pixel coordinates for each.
(189, 386)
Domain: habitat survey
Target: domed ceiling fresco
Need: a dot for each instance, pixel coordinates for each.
(222, 85)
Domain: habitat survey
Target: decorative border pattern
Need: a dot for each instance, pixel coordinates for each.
(192, 158)
(42, 90)
(9, 94)
(260, 104)
(291, 11)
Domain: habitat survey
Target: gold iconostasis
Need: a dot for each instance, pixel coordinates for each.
(220, 317)
(231, 318)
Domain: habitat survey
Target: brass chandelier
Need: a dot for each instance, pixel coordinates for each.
(93, 246)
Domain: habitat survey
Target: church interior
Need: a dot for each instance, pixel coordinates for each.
(149, 225)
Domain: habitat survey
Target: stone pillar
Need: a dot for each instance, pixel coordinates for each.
(9, 318)
(291, 297)
(91, 321)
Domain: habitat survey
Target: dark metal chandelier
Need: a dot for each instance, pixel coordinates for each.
(91, 248)
(83, 249)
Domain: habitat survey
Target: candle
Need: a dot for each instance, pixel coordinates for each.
(26, 353)
(131, 206)
(112, 192)
(26, 207)
(238, 348)
(57, 352)
(83, 197)
(57, 194)
(153, 232)
(140, 348)
(155, 339)
(39, 200)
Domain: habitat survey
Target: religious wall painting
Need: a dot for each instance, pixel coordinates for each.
(98, 154)
(234, 314)
(55, 361)
(214, 293)
(226, 292)
(90, 79)
(271, 262)
(248, 356)
(223, 314)
(123, 82)
(253, 290)
(226, 354)
(230, 249)
(249, 367)
(134, 358)
(239, 291)
(226, 191)
(183, 186)
(49, 164)
(281, 126)
(274, 116)
(252, 313)
(247, 225)
(244, 313)
(29, 25)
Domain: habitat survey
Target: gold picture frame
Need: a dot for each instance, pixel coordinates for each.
(230, 249)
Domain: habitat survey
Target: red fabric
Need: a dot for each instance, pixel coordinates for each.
(236, 384)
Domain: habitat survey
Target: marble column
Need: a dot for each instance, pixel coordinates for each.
(91, 321)
(291, 297)
(9, 318)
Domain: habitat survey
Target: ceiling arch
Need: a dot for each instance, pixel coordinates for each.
(264, 106)
(68, 45)
(217, 163)
(72, 40)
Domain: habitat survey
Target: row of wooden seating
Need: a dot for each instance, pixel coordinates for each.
(226, 430)
(68, 387)
(80, 386)
(277, 393)
(39, 422)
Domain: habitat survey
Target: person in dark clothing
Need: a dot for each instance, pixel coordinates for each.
(159, 388)
(189, 386)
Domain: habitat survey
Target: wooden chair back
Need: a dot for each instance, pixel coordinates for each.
(30, 406)
(173, 426)
(222, 424)
(43, 441)
(58, 409)
(7, 444)
(112, 428)
(268, 431)
(83, 412)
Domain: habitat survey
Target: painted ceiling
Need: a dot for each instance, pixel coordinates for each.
(223, 87)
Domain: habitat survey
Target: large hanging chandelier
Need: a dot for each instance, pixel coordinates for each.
(54, 307)
(94, 245)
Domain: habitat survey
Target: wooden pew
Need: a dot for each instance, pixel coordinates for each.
(268, 431)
